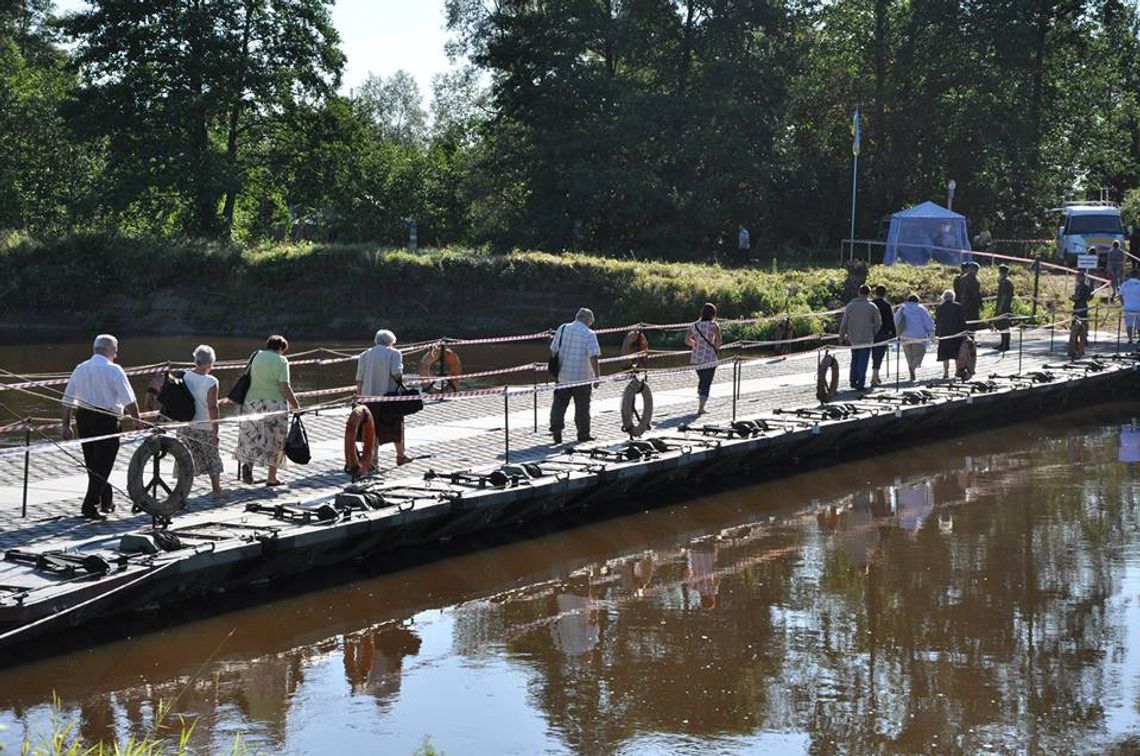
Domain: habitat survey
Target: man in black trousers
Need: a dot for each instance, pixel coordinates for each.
(99, 393)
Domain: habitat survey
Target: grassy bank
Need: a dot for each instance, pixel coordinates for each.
(134, 286)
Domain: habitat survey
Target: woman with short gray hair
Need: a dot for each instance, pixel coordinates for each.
(378, 371)
(201, 438)
(950, 328)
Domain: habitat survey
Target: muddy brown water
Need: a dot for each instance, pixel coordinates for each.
(961, 596)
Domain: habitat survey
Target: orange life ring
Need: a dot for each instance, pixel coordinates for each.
(635, 343)
(827, 378)
(358, 463)
(441, 361)
(785, 332)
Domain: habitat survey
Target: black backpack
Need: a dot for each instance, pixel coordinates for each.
(175, 399)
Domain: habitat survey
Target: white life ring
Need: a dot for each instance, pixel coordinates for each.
(633, 422)
(145, 495)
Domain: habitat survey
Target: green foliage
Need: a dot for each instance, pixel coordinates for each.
(63, 740)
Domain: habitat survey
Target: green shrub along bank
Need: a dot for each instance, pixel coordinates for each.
(346, 291)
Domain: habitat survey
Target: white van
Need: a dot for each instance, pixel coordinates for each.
(1088, 227)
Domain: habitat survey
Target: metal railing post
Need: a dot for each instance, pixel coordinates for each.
(1119, 318)
(735, 385)
(1020, 336)
(27, 456)
(535, 397)
(898, 350)
(506, 424)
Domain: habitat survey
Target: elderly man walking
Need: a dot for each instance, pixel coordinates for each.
(577, 350)
(861, 321)
(99, 393)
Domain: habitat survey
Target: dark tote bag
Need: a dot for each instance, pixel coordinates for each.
(391, 410)
(297, 443)
(552, 363)
(241, 385)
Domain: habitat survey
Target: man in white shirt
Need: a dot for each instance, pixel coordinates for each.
(99, 393)
(577, 349)
(1130, 299)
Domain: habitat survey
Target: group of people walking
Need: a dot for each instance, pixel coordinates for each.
(98, 395)
(870, 325)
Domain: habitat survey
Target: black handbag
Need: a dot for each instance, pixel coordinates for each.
(552, 363)
(401, 408)
(240, 388)
(297, 443)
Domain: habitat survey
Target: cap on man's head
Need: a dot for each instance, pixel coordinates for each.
(972, 264)
(1003, 268)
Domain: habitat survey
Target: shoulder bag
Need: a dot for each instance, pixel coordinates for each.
(297, 443)
(401, 408)
(552, 363)
(240, 388)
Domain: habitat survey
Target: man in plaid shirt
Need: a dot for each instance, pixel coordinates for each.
(578, 352)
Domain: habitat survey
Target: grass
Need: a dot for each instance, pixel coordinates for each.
(63, 740)
(327, 290)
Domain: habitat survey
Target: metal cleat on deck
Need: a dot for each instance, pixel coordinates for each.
(304, 515)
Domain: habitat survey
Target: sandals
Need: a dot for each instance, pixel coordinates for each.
(403, 460)
(274, 482)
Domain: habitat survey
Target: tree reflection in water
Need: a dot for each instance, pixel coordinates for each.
(919, 600)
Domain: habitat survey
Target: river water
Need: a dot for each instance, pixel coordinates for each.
(974, 594)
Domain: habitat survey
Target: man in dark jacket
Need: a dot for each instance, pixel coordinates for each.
(886, 332)
(970, 296)
(1004, 306)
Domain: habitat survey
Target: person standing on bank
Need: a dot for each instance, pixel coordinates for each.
(970, 297)
(705, 339)
(262, 441)
(1082, 293)
(1004, 306)
(743, 245)
(950, 328)
(1114, 264)
(915, 328)
(576, 347)
(861, 321)
(99, 393)
(201, 438)
(378, 370)
(886, 332)
(1130, 301)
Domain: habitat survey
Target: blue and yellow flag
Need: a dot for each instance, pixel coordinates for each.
(856, 133)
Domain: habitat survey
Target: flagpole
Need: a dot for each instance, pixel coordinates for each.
(856, 139)
(854, 184)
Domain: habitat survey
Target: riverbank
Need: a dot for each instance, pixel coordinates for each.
(139, 286)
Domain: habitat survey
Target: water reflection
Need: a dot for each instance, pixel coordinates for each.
(961, 596)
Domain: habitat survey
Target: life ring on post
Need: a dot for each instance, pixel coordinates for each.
(360, 425)
(441, 362)
(827, 378)
(633, 422)
(784, 333)
(967, 359)
(144, 495)
(636, 343)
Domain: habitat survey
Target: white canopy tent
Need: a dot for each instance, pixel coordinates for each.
(927, 232)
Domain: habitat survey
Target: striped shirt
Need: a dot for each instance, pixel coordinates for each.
(575, 344)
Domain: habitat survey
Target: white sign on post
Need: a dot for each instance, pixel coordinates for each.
(1087, 262)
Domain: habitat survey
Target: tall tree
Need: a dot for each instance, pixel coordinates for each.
(182, 89)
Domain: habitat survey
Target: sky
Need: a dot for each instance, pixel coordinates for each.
(380, 37)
